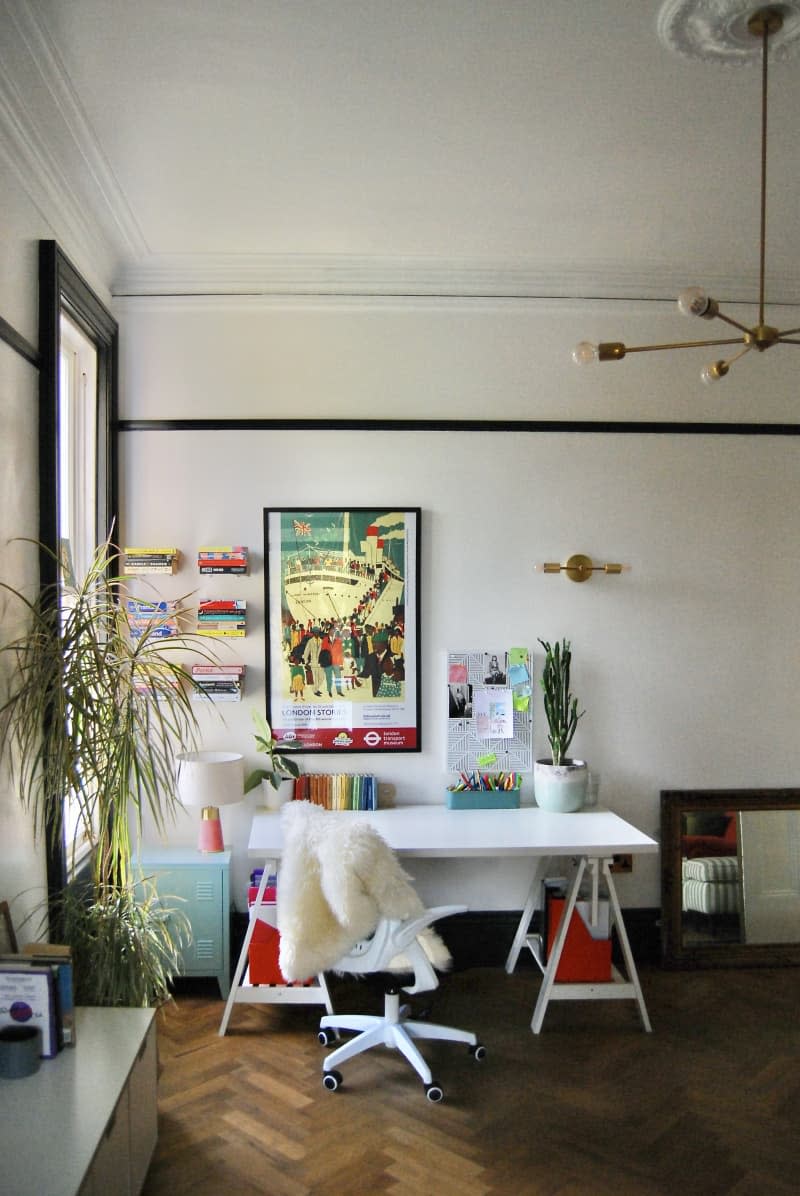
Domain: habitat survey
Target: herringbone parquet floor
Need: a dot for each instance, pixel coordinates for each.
(707, 1105)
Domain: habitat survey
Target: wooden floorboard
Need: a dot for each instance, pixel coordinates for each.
(706, 1105)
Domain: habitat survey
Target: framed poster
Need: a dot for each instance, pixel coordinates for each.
(342, 643)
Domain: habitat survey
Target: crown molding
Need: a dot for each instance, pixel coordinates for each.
(410, 277)
(48, 142)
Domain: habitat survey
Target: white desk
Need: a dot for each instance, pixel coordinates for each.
(592, 836)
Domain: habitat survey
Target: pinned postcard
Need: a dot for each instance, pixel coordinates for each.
(493, 712)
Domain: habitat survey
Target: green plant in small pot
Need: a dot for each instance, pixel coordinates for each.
(559, 783)
(277, 781)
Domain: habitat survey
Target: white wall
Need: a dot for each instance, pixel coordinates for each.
(687, 666)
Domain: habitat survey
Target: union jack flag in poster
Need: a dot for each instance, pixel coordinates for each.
(301, 527)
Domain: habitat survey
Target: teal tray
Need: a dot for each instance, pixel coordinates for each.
(483, 799)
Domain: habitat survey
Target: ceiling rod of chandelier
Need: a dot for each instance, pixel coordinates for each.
(694, 301)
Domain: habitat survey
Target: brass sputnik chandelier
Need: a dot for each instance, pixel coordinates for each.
(763, 24)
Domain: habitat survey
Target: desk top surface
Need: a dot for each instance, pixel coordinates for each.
(52, 1122)
(438, 831)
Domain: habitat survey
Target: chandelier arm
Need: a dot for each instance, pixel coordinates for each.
(741, 353)
(729, 320)
(788, 332)
(734, 340)
(763, 238)
(786, 340)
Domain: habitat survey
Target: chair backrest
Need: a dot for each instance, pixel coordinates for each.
(403, 946)
(340, 886)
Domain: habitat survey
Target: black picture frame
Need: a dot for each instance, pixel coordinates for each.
(343, 628)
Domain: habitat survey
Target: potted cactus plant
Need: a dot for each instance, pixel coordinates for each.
(560, 782)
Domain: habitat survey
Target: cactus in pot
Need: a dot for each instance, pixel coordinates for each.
(560, 783)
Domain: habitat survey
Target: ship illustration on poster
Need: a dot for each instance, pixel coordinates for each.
(343, 565)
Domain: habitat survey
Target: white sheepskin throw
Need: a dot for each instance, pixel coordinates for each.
(338, 877)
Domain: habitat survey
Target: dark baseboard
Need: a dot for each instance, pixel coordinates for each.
(482, 938)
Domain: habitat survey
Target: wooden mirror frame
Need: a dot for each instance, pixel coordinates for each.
(674, 804)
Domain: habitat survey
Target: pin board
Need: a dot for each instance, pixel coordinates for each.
(490, 710)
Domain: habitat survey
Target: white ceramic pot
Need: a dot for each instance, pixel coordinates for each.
(275, 798)
(560, 787)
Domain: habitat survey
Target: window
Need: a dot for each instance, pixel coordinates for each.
(77, 448)
(77, 458)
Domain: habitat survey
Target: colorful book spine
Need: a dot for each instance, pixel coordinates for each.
(158, 619)
(201, 670)
(217, 683)
(228, 558)
(150, 560)
(338, 791)
(226, 617)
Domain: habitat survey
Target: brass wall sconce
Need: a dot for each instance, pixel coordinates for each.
(579, 567)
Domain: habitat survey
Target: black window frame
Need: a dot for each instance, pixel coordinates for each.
(62, 289)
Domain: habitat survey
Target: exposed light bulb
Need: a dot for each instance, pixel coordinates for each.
(714, 371)
(584, 353)
(693, 301)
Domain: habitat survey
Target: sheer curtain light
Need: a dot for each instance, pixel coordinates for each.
(763, 24)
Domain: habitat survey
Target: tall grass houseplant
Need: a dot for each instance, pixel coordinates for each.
(93, 714)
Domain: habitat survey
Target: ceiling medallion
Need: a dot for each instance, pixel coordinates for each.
(717, 31)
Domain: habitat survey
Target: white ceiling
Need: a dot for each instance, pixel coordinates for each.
(466, 146)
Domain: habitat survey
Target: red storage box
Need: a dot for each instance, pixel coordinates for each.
(269, 896)
(584, 958)
(262, 955)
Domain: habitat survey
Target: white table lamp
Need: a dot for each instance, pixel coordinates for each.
(210, 780)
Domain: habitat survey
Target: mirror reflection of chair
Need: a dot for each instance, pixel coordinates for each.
(345, 904)
(393, 942)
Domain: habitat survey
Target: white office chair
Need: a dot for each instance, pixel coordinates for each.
(346, 905)
(394, 945)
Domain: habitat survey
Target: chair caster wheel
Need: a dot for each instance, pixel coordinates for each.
(326, 1037)
(478, 1052)
(331, 1080)
(434, 1093)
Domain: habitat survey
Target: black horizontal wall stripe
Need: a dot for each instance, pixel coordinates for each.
(614, 427)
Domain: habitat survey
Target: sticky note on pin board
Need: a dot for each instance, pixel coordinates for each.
(487, 761)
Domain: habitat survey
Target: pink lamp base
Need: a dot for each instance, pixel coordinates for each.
(210, 838)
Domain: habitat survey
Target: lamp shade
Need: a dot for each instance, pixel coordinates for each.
(210, 780)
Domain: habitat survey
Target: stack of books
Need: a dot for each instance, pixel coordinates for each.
(223, 616)
(158, 619)
(227, 558)
(36, 988)
(338, 791)
(217, 682)
(150, 560)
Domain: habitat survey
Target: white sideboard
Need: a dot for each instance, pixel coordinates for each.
(86, 1123)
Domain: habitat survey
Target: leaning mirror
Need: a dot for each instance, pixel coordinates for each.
(730, 877)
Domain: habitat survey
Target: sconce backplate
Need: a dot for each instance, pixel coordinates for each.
(578, 567)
